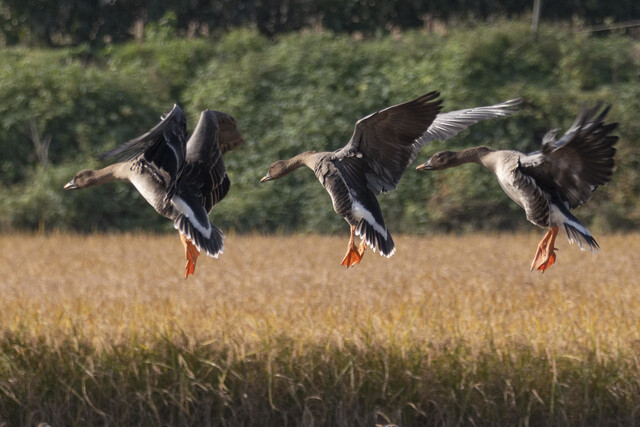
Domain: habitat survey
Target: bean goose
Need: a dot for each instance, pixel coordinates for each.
(548, 183)
(382, 147)
(181, 179)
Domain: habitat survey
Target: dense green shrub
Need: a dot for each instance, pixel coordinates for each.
(306, 91)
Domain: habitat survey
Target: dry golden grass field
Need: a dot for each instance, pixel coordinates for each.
(104, 330)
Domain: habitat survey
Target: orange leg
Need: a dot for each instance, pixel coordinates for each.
(545, 255)
(362, 247)
(352, 257)
(191, 254)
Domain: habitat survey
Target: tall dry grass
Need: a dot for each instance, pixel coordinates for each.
(104, 329)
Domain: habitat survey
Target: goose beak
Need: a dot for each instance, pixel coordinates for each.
(425, 166)
(266, 178)
(71, 185)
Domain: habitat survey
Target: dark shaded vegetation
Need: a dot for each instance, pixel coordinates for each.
(179, 381)
(99, 22)
(306, 91)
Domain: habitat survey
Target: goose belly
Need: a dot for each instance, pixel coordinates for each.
(152, 191)
(333, 183)
(341, 198)
(512, 192)
(524, 190)
(508, 181)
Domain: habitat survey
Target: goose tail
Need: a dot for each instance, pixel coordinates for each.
(376, 240)
(211, 240)
(579, 234)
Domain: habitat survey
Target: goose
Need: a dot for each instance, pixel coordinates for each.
(548, 183)
(181, 179)
(382, 146)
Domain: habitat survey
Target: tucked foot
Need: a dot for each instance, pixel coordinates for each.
(191, 254)
(352, 257)
(545, 254)
(540, 257)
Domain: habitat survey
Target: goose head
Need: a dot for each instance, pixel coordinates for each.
(277, 170)
(82, 179)
(281, 168)
(441, 160)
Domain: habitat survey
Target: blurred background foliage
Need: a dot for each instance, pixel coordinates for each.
(98, 22)
(299, 91)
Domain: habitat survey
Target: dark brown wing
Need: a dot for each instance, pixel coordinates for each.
(384, 143)
(228, 136)
(205, 177)
(163, 147)
(573, 166)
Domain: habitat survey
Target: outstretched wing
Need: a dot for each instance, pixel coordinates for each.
(228, 136)
(163, 147)
(573, 166)
(448, 125)
(384, 143)
(205, 176)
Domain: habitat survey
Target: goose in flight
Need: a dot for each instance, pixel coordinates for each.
(381, 148)
(548, 183)
(182, 179)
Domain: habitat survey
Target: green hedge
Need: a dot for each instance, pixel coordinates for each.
(306, 91)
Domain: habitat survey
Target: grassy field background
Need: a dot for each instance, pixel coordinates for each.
(104, 330)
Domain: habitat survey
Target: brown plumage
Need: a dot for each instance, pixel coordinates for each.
(181, 179)
(381, 148)
(548, 183)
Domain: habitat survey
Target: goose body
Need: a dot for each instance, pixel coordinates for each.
(182, 179)
(382, 146)
(356, 203)
(548, 183)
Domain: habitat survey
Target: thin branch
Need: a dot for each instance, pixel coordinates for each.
(40, 144)
(607, 27)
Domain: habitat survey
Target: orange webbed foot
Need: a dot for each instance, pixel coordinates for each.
(545, 254)
(191, 254)
(352, 257)
(538, 259)
(544, 266)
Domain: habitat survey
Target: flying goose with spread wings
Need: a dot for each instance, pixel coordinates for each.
(182, 179)
(548, 183)
(381, 148)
